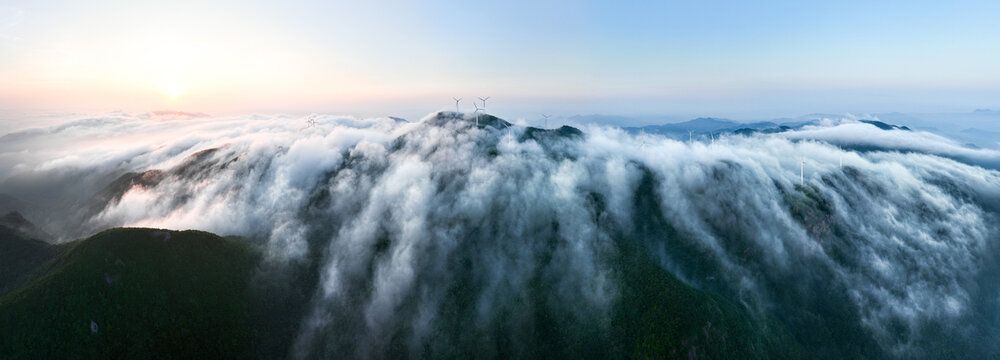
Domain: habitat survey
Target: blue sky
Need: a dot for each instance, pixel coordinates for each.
(707, 57)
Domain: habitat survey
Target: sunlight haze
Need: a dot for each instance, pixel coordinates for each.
(630, 57)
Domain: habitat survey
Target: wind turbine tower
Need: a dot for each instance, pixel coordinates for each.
(690, 137)
(642, 138)
(802, 172)
(510, 136)
(546, 126)
(478, 110)
(456, 104)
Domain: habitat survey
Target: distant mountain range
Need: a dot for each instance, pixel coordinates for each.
(701, 127)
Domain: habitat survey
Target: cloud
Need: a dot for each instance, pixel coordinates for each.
(400, 216)
(176, 115)
(858, 134)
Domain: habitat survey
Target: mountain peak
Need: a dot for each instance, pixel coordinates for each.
(15, 221)
(885, 126)
(443, 117)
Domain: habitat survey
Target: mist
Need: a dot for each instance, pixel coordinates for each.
(408, 229)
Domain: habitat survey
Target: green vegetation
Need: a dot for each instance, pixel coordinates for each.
(22, 256)
(168, 294)
(659, 317)
(135, 293)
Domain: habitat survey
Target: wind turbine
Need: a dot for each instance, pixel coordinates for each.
(510, 137)
(484, 103)
(802, 172)
(690, 136)
(478, 110)
(546, 126)
(456, 104)
(642, 138)
(310, 121)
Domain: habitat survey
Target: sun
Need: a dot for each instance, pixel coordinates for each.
(171, 85)
(174, 91)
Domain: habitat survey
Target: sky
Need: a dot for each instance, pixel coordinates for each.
(402, 57)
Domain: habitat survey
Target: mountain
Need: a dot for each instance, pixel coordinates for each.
(445, 238)
(22, 251)
(699, 125)
(884, 126)
(707, 127)
(16, 222)
(191, 294)
(187, 294)
(135, 293)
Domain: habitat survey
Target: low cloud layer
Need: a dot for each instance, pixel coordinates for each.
(896, 243)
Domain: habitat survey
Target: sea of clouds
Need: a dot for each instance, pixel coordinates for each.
(897, 229)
